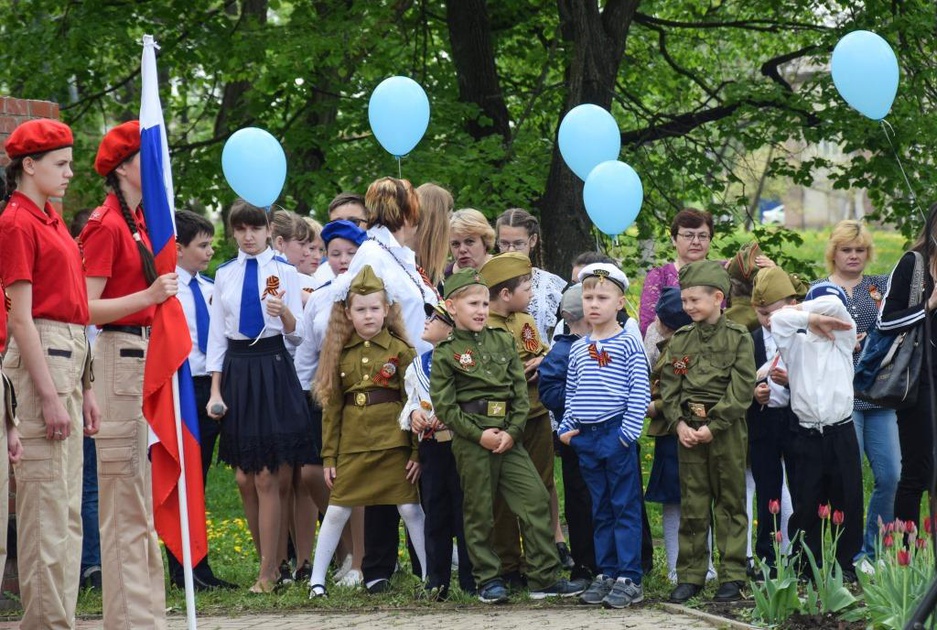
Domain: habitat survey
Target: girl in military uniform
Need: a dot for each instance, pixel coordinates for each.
(367, 458)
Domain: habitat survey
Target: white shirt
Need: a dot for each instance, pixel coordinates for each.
(323, 274)
(819, 369)
(416, 383)
(316, 314)
(225, 308)
(397, 268)
(778, 395)
(196, 357)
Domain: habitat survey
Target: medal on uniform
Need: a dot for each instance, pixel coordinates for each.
(308, 289)
(680, 366)
(273, 286)
(529, 337)
(387, 371)
(602, 358)
(697, 409)
(466, 359)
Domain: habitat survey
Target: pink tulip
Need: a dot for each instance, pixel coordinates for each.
(824, 511)
(774, 506)
(838, 517)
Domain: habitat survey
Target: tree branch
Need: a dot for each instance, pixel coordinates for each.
(764, 26)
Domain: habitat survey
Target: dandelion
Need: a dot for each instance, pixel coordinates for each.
(774, 506)
(823, 511)
(838, 517)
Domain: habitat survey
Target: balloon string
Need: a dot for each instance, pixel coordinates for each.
(399, 169)
(886, 127)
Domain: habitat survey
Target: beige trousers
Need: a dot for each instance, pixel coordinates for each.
(132, 564)
(48, 481)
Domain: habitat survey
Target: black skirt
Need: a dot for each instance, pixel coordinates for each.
(267, 423)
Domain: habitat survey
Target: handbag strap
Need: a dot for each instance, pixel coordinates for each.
(916, 295)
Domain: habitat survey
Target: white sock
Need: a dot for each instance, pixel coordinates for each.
(749, 498)
(413, 520)
(787, 508)
(671, 513)
(327, 542)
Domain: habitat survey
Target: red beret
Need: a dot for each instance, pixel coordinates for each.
(38, 136)
(118, 144)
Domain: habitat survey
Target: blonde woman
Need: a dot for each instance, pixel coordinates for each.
(471, 240)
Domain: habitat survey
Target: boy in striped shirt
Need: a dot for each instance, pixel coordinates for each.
(607, 393)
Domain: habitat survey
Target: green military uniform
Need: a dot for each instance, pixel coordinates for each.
(743, 313)
(477, 382)
(361, 436)
(707, 378)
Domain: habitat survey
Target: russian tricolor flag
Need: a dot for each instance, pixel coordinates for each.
(168, 395)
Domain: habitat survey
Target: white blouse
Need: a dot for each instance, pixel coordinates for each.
(547, 290)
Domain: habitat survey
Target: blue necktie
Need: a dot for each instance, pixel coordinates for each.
(252, 315)
(201, 314)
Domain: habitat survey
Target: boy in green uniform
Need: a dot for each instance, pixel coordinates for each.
(508, 278)
(479, 391)
(706, 387)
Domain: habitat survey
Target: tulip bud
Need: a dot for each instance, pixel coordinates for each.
(838, 517)
(900, 526)
(774, 506)
(824, 511)
(921, 543)
(778, 537)
(928, 525)
(910, 527)
(888, 541)
(904, 557)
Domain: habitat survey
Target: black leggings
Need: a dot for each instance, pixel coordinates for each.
(917, 463)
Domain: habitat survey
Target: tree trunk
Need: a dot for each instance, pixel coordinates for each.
(597, 42)
(474, 58)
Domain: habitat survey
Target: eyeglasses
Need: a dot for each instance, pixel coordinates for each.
(506, 246)
(358, 222)
(701, 237)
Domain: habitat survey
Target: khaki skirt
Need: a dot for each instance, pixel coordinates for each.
(373, 478)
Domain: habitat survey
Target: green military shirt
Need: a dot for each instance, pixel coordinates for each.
(742, 312)
(529, 345)
(470, 366)
(709, 364)
(380, 362)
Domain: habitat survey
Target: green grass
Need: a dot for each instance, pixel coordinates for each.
(234, 559)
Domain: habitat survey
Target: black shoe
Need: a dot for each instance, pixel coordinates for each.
(728, 592)
(381, 586)
(216, 582)
(286, 575)
(514, 581)
(303, 573)
(560, 588)
(91, 578)
(849, 576)
(199, 583)
(566, 560)
(493, 592)
(684, 592)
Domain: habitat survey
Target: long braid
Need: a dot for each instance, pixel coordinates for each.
(146, 256)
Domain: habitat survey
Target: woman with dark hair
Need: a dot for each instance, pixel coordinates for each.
(123, 291)
(46, 358)
(519, 231)
(691, 233)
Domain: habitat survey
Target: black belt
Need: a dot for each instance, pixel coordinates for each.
(490, 408)
(829, 429)
(139, 331)
(373, 397)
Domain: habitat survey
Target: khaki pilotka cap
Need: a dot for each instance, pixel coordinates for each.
(366, 282)
(504, 267)
(704, 273)
(461, 279)
(774, 284)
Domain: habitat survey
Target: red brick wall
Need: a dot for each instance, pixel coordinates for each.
(13, 112)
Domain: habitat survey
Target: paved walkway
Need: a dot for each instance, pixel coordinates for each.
(502, 618)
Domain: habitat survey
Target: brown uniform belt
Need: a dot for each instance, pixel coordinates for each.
(491, 408)
(698, 412)
(373, 397)
(442, 435)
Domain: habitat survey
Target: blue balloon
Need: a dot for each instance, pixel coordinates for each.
(399, 114)
(254, 164)
(588, 136)
(613, 195)
(865, 71)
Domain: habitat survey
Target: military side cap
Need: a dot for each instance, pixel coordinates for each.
(461, 279)
(439, 311)
(826, 289)
(38, 136)
(605, 271)
(118, 144)
(572, 302)
(670, 309)
(345, 229)
(366, 282)
(772, 284)
(742, 266)
(504, 267)
(704, 273)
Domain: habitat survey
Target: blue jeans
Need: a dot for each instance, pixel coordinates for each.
(91, 541)
(877, 433)
(613, 475)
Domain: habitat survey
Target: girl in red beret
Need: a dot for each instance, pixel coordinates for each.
(124, 290)
(47, 357)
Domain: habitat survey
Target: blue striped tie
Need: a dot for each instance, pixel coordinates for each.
(252, 315)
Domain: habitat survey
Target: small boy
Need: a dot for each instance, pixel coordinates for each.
(479, 391)
(552, 375)
(706, 387)
(508, 277)
(607, 393)
(440, 488)
(194, 234)
(816, 340)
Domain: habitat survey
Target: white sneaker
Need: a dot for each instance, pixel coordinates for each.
(455, 558)
(865, 566)
(352, 579)
(711, 574)
(341, 571)
(672, 576)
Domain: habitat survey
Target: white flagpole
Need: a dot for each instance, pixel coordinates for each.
(184, 512)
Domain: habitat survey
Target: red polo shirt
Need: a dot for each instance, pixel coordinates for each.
(110, 252)
(38, 249)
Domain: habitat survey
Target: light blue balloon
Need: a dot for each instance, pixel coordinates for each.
(588, 136)
(613, 195)
(865, 71)
(399, 114)
(254, 164)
